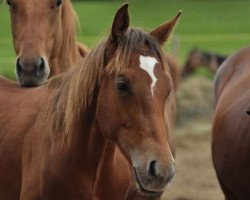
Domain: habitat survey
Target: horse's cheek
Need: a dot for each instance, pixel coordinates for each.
(107, 119)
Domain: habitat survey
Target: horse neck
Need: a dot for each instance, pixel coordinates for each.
(95, 153)
(66, 47)
(102, 160)
(99, 152)
(83, 136)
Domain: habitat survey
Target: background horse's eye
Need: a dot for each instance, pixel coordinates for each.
(122, 85)
(9, 3)
(58, 3)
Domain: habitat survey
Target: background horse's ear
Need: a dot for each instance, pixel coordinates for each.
(162, 32)
(120, 23)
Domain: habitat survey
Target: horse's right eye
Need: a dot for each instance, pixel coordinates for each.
(122, 84)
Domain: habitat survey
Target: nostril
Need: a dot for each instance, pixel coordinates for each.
(41, 66)
(152, 172)
(18, 66)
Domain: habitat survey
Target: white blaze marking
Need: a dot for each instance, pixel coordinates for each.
(147, 63)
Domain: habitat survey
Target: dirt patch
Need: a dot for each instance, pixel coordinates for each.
(195, 177)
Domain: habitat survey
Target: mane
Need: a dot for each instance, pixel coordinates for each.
(68, 54)
(75, 89)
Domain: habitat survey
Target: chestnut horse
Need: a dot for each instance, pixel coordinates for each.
(231, 126)
(44, 39)
(198, 58)
(96, 131)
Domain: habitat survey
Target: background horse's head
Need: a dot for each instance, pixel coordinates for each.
(193, 61)
(38, 28)
(134, 89)
(198, 58)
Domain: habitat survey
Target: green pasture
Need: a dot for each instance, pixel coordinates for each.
(220, 26)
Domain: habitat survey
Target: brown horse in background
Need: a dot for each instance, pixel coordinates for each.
(93, 132)
(231, 126)
(199, 58)
(44, 39)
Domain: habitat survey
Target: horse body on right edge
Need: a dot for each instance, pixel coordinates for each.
(231, 126)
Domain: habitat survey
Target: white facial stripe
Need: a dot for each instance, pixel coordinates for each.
(148, 63)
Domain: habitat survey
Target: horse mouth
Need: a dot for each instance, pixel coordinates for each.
(142, 189)
(31, 83)
(30, 80)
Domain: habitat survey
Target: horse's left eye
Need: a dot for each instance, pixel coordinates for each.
(58, 3)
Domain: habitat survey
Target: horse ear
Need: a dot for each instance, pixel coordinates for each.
(162, 32)
(120, 22)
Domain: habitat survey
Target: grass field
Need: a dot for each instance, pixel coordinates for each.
(219, 26)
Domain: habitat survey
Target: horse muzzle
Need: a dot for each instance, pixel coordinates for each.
(32, 72)
(154, 177)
